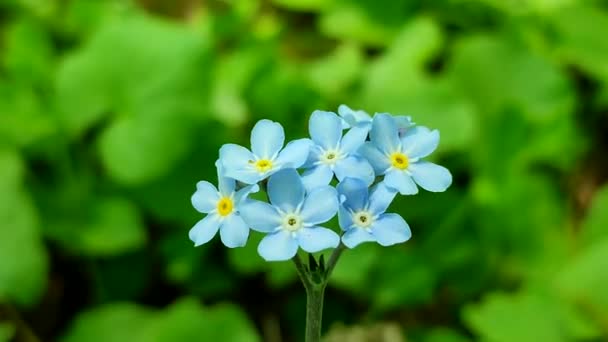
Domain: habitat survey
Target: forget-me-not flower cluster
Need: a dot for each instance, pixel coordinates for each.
(352, 166)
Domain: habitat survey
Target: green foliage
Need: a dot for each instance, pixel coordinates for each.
(183, 320)
(111, 111)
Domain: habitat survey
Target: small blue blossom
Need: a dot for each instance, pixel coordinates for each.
(222, 209)
(362, 120)
(362, 215)
(267, 154)
(399, 159)
(292, 218)
(334, 154)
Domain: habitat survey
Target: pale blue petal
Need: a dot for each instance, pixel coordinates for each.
(356, 236)
(403, 121)
(325, 129)
(348, 118)
(226, 185)
(320, 205)
(247, 176)
(380, 198)
(234, 231)
(295, 154)
(354, 138)
(378, 160)
(285, 190)
(401, 181)
(356, 193)
(345, 218)
(315, 239)
(234, 157)
(355, 167)
(415, 130)
(318, 176)
(431, 177)
(391, 229)
(267, 138)
(385, 133)
(278, 246)
(260, 216)
(421, 144)
(205, 198)
(242, 194)
(205, 229)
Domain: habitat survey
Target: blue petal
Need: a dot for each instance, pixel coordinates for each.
(380, 198)
(403, 122)
(354, 138)
(355, 167)
(391, 229)
(325, 129)
(234, 231)
(316, 239)
(234, 157)
(401, 181)
(285, 190)
(421, 144)
(345, 218)
(242, 194)
(348, 117)
(247, 176)
(385, 133)
(278, 246)
(260, 216)
(226, 185)
(431, 177)
(295, 154)
(378, 160)
(267, 138)
(320, 205)
(205, 198)
(204, 230)
(318, 176)
(355, 191)
(416, 130)
(356, 236)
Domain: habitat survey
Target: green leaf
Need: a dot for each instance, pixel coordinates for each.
(334, 74)
(353, 269)
(23, 259)
(524, 317)
(583, 280)
(103, 227)
(595, 224)
(7, 331)
(580, 34)
(445, 335)
(496, 74)
(185, 320)
(303, 5)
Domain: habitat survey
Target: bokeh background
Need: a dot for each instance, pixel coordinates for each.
(111, 111)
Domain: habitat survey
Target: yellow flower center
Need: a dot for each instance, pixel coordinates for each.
(399, 160)
(263, 165)
(224, 206)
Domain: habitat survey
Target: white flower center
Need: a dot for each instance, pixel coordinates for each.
(330, 157)
(292, 222)
(363, 219)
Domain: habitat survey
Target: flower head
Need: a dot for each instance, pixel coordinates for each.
(292, 218)
(399, 158)
(222, 209)
(362, 216)
(267, 154)
(361, 119)
(333, 154)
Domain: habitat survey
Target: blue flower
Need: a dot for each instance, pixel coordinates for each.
(334, 154)
(399, 159)
(293, 217)
(360, 118)
(222, 209)
(267, 154)
(362, 216)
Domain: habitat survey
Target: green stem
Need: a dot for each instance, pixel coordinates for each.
(314, 312)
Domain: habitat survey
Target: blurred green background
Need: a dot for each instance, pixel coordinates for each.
(111, 111)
